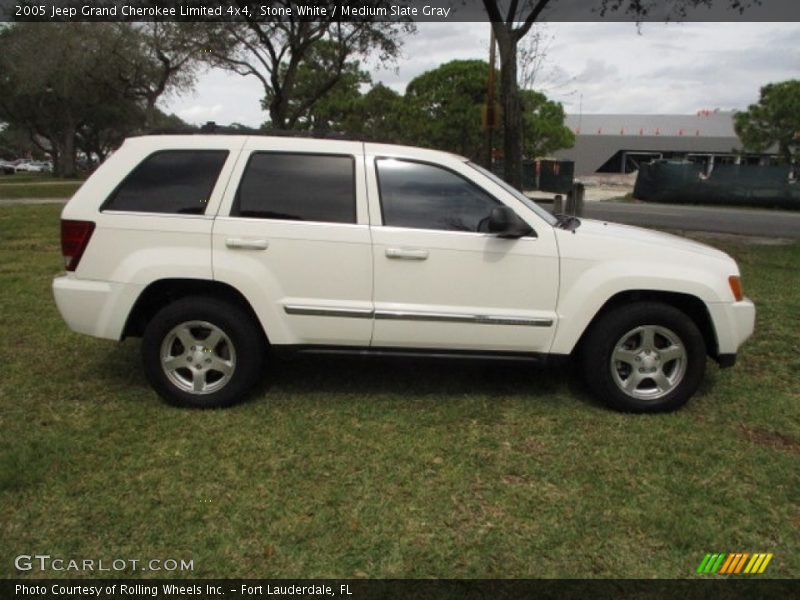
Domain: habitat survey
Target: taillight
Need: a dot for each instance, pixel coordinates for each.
(75, 236)
(736, 287)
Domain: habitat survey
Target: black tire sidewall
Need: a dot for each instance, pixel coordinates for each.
(237, 325)
(604, 335)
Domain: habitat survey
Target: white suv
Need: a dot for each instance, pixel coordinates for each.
(216, 249)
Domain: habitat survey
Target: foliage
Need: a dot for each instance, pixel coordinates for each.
(278, 52)
(15, 142)
(380, 115)
(48, 82)
(774, 120)
(85, 85)
(447, 104)
(442, 109)
(157, 58)
(323, 113)
(543, 129)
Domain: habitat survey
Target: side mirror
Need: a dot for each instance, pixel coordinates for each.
(507, 224)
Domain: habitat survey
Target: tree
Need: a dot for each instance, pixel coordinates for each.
(543, 125)
(88, 83)
(442, 109)
(327, 112)
(15, 142)
(512, 20)
(447, 102)
(275, 52)
(48, 75)
(774, 120)
(157, 58)
(381, 115)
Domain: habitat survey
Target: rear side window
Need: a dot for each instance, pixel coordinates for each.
(170, 181)
(298, 187)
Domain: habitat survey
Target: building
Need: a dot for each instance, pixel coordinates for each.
(619, 143)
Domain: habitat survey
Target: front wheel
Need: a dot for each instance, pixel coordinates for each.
(202, 353)
(648, 357)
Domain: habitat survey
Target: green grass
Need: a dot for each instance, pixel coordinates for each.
(36, 185)
(351, 467)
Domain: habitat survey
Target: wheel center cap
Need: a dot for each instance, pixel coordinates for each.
(649, 361)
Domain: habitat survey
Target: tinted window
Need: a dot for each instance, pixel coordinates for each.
(428, 197)
(298, 187)
(173, 181)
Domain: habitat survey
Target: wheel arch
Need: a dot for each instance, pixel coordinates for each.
(163, 292)
(690, 305)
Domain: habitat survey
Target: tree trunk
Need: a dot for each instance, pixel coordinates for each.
(277, 112)
(150, 112)
(512, 113)
(65, 150)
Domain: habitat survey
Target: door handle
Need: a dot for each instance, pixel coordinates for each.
(247, 243)
(407, 253)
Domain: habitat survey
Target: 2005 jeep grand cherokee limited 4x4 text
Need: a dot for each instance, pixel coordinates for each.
(216, 249)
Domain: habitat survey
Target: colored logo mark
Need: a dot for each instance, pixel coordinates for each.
(734, 563)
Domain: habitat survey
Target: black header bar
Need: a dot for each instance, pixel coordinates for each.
(440, 11)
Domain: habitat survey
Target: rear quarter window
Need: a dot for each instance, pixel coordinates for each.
(169, 181)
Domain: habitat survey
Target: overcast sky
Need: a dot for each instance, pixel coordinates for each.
(590, 67)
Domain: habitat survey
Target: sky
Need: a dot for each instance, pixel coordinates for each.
(591, 68)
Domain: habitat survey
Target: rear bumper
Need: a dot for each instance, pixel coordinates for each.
(97, 308)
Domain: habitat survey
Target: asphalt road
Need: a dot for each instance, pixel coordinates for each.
(742, 221)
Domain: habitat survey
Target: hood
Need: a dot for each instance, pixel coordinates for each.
(614, 234)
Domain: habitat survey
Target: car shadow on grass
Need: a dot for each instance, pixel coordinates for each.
(421, 378)
(341, 376)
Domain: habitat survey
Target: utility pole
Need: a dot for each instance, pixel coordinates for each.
(490, 103)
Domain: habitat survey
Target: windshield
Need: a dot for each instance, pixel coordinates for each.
(516, 193)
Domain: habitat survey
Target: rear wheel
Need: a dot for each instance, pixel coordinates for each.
(649, 357)
(202, 352)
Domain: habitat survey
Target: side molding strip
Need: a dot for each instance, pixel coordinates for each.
(394, 315)
(316, 311)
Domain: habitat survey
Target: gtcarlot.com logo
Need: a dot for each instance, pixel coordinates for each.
(734, 563)
(45, 562)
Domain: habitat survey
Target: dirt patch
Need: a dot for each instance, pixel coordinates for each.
(770, 439)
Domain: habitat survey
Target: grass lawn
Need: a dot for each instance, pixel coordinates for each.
(36, 185)
(377, 468)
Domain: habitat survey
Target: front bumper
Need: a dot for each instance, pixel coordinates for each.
(734, 322)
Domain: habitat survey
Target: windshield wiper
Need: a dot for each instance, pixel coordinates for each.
(568, 222)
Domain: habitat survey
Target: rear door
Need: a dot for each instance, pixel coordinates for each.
(293, 236)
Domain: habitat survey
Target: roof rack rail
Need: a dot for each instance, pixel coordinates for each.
(212, 128)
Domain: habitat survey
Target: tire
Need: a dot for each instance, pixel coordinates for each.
(200, 352)
(643, 358)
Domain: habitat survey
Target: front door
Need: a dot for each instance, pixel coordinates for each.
(440, 279)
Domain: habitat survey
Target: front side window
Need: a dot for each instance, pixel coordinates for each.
(425, 196)
(298, 187)
(170, 181)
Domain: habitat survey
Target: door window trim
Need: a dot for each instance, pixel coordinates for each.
(429, 164)
(236, 196)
